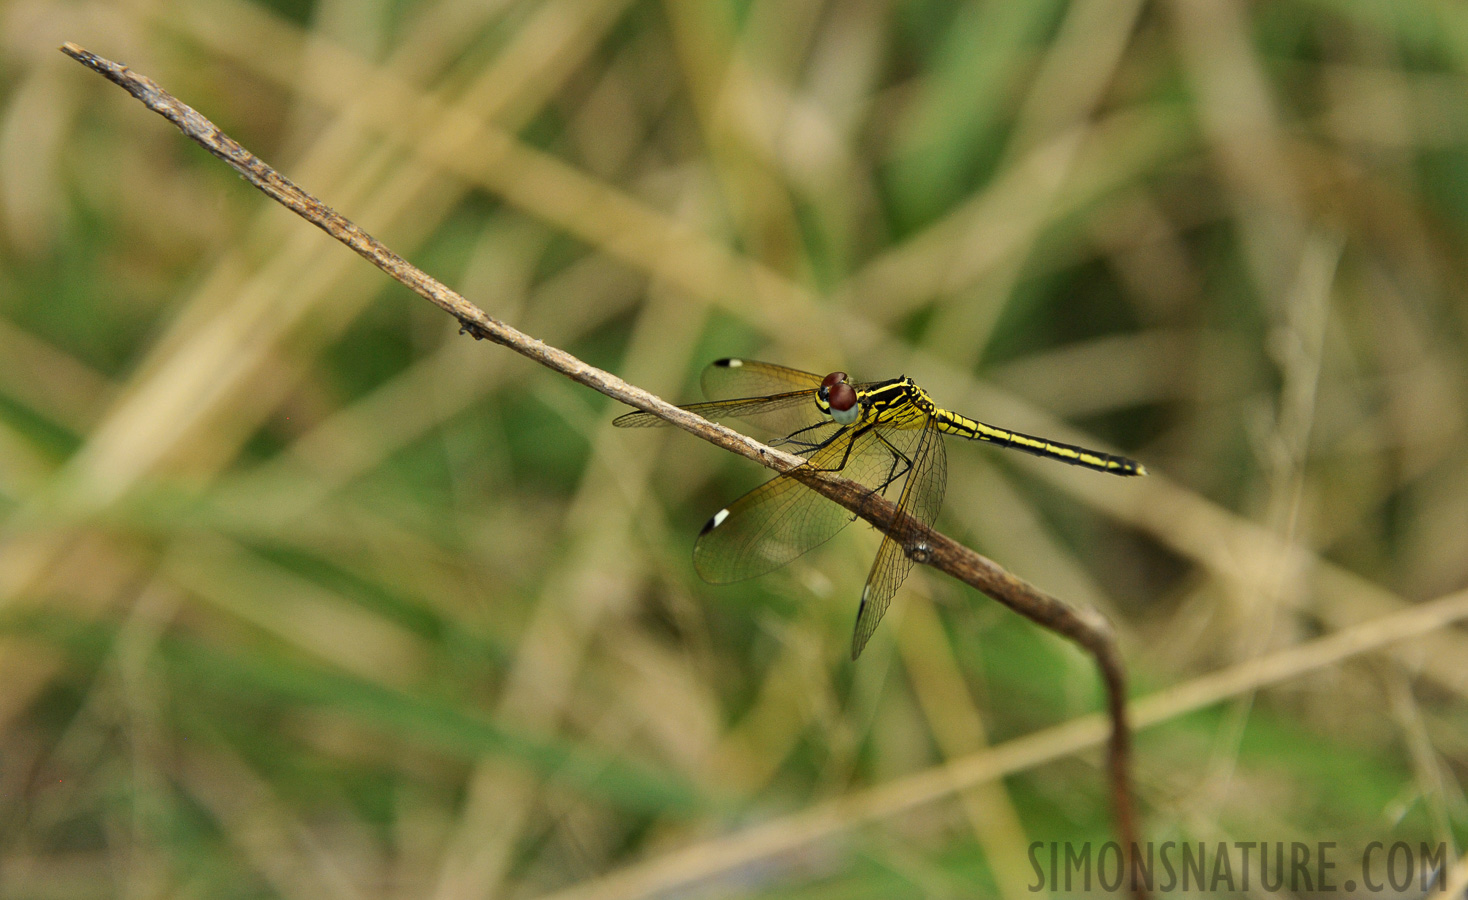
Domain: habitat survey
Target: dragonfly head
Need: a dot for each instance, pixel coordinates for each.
(838, 399)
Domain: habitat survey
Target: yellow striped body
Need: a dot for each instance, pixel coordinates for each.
(900, 403)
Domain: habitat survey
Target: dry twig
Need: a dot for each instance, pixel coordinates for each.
(925, 545)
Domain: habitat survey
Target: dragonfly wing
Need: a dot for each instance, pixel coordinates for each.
(733, 379)
(729, 379)
(782, 518)
(715, 410)
(777, 400)
(765, 529)
(921, 498)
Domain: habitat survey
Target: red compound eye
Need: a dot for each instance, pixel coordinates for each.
(841, 396)
(833, 379)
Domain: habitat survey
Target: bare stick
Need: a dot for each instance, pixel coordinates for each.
(923, 544)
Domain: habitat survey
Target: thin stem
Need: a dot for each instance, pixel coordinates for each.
(922, 543)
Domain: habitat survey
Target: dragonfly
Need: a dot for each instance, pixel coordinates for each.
(876, 433)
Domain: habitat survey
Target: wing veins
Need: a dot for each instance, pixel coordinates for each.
(922, 496)
(714, 410)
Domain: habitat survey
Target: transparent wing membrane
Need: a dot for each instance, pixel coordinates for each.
(783, 519)
(776, 400)
(738, 379)
(731, 379)
(783, 405)
(922, 496)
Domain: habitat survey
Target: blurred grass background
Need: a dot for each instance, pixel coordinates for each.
(302, 594)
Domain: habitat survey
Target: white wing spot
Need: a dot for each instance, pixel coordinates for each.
(864, 591)
(718, 518)
(735, 363)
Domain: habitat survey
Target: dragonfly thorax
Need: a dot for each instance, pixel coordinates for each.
(898, 403)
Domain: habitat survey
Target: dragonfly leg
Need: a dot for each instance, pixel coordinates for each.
(845, 456)
(898, 459)
(801, 448)
(901, 464)
(804, 446)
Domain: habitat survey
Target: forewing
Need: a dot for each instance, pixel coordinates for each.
(782, 518)
(718, 410)
(922, 496)
(731, 379)
(778, 401)
(735, 379)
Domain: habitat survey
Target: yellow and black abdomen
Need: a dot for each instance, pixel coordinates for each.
(952, 423)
